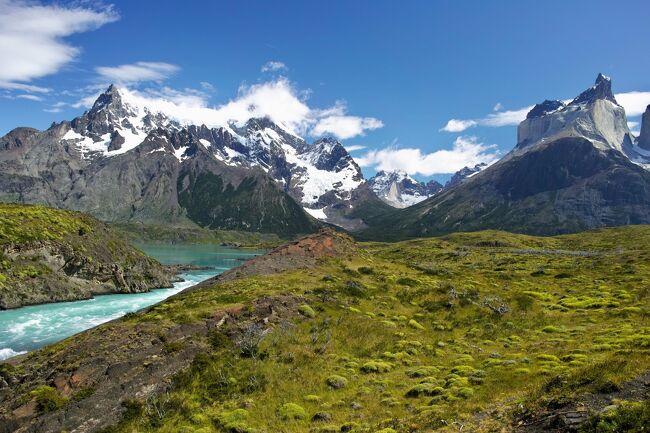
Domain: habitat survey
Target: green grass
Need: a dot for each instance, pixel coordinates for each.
(417, 335)
(26, 223)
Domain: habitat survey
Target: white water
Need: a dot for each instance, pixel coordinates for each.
(29, 328)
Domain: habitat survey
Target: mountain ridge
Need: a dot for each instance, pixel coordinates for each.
(146, 150)
(574, 167)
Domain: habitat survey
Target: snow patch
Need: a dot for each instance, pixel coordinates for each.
(316, 213)
(180, 153)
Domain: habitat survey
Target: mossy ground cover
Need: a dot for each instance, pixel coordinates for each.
(469, 330)
(29, 233)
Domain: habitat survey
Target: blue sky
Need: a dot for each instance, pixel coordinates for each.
(384, 75)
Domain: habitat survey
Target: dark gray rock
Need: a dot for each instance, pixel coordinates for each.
(644, 137)
(545, 108)
(116, 141)
(602, 89)
(464, 173)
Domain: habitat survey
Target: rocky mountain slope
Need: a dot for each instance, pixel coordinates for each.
(575, 167)
(49, 255)
(125, 161)
(406, 337)
(464, 173)
(400, 190)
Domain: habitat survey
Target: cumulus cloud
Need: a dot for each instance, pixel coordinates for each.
(277, 99)
(458, 125)
(32, 41)
(274, 66)
(345, 127)
(466, 151)
(634, 103)
(137, 72)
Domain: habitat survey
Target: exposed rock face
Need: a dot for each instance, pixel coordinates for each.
(399, 190)
(644, 138)
(575, 167)
(464, 173)
(88, 261)
(594, 115)
(121, 161)
(546, 107)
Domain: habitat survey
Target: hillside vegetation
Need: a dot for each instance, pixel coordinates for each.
(55, 255)
(485, 331)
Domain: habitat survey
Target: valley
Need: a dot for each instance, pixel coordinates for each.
(488, 330)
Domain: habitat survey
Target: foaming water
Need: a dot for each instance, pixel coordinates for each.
(28, 328)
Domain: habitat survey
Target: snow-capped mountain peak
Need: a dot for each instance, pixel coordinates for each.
(320, 175)
(400, 190)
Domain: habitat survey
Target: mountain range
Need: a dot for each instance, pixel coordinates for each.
(575, 166)
(124, 161)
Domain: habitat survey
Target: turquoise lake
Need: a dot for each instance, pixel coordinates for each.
(29, 328)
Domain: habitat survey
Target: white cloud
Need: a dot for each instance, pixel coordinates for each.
(24, 87)
(498, 107)
(634, 103)
(458, 125)
(345, 127)
(354, 147)
(632, 125)
(274, 67)
(31, 39)
(466, 151)
(494, 120)
(137, 72)
(30, 97)
(207, 87)
(277, 99)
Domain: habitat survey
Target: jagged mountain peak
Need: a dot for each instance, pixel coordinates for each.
(464, 173)
(594, 115)
(398, 189)
(602, 89)
(644, 137)
(546, 107)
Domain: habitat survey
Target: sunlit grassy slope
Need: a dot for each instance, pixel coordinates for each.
(471, 329)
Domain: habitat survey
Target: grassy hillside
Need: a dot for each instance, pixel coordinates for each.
(256, 204)
(137, 232)
(55, 255)
(486, 331)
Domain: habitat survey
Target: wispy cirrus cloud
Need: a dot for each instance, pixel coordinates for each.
(137, 72)
(354, 147)
(466, 151)
(32, 39)
(29, 97)
(634, 103)
(494, 120)
(274, 66)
